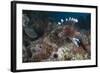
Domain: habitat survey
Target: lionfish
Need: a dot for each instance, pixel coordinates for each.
(51, 45)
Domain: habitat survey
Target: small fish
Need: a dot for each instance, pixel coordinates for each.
(78, 42)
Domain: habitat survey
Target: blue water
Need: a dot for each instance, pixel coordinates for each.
(84, 19)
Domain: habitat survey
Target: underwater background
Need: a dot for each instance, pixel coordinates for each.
(40, 27)
(83, 18)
